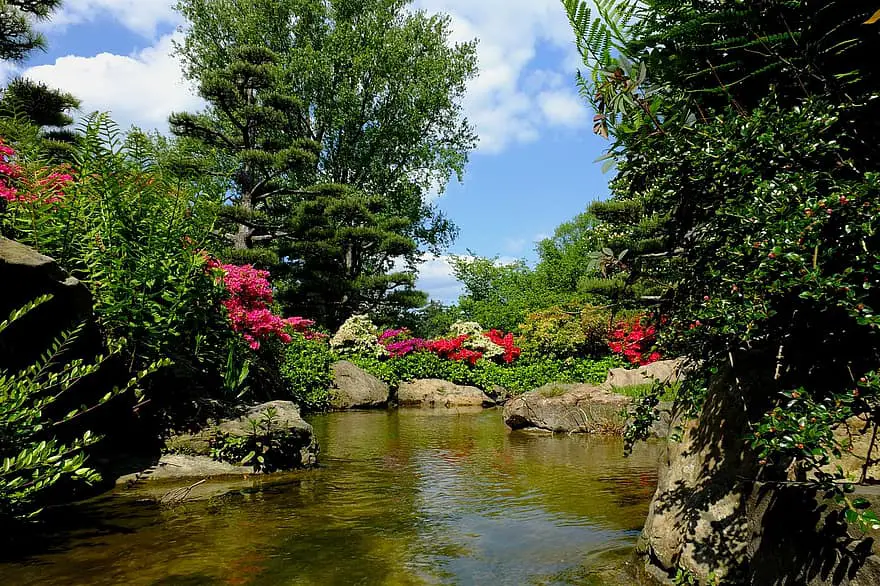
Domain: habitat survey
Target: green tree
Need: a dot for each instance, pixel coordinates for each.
(17, 34)
(378, 87)
(260, 144)
(23, 102)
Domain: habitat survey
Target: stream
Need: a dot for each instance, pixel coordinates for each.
(400, 497)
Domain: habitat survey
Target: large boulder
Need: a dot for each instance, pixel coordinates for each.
(189, 454)
(433, 392)
(355, 388)
(663, 371)
(710, 518)
(26, 274)
(572, 408)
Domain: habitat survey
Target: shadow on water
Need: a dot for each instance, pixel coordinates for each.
(408, 497)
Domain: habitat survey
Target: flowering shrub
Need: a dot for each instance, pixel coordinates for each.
(248, 306)
(634, 341)
(43, 185)
(359, 335)
(505, 341)
(454, 349)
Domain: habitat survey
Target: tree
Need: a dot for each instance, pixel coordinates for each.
(25, 101)
(260, 144)
(748, 178)
(378, 87)
(47, 109)
(339, 229)
(17, 34)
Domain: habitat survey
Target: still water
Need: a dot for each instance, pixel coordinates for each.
(401, 497)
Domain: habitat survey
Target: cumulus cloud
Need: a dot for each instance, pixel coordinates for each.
(436, 279)
(503, 102)
(562, 108)
(140, 89)
(140, 16)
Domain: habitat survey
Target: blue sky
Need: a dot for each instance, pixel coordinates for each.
(534, 167)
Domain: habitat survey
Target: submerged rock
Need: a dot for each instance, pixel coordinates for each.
(355, 388)
(571, 408)
(433, 392)
(190, 453)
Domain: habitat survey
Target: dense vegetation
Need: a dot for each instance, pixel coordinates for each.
(746, 197)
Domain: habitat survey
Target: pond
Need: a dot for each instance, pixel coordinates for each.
(401, 497)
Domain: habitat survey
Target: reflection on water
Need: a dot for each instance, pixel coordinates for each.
(402, 497)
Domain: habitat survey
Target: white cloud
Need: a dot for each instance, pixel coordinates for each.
(563, 108)
(140, 16)
(140, 89)
(503, 101)
(436, 279)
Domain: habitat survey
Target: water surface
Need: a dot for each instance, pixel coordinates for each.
(401, 497)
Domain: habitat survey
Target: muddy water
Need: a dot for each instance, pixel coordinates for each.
(401, 497)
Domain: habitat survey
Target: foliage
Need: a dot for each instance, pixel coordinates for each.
(748, 183)
(635, 340)
(375, 89)
(120, 220)
(267, 447)
(261, 148)
(306, 371)
(17, 20)
(32, 107)
(559, 332)
(490, 376)
(33, 458)
(350, 244)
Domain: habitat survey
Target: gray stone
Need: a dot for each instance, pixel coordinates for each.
(192, 451)
(710, 518)
(571, 408)
(172, 466)
(355, 388)
(663, 371)
(433, 392)
(26, 274)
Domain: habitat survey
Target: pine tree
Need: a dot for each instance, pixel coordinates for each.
(251, 122)
(17, 34)
(349, 243)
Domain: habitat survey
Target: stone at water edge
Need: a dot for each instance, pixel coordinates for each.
(355, 388)
(664, 371)
(191, 457)
(567, 408)
(433, 392)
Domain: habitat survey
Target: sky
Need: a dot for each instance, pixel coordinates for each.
(535, 164)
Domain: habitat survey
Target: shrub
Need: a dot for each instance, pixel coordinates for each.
(557, 333)
(305, 371)
(513, 378)
(358, 335)
(132, 231)
(34, 459)
(635, 340)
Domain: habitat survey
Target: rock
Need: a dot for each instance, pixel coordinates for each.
(281, 418)
(291, 434)
(709, 518)
(433, 392)
(568, 408)
(26, 275)
(172, 466)
(664, 371)
(355, 388)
